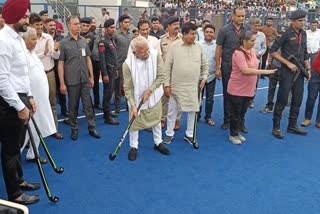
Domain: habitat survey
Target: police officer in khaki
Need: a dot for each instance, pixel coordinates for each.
(165, 42)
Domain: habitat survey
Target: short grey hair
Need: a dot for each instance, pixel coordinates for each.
(30, 31)
(255, 20)
(139, 41)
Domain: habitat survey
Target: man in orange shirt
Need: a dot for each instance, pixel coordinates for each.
(271, 33)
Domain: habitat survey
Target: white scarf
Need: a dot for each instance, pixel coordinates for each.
(143, 73)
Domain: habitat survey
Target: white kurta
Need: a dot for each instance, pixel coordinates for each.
(40, 91)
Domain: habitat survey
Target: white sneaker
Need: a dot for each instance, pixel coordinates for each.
(235, 140)
(241, 138)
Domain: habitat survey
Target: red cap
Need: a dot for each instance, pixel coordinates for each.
(14, 10)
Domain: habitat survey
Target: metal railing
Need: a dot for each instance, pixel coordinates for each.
(60, 9)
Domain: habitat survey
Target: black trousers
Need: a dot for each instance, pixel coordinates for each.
(108, 89)
(273, 81)
(61, 97)
(12, 136)
(286, 85)
(118, 85)
(239, 107)
(226, 101)
(96, 77)
(75, 92)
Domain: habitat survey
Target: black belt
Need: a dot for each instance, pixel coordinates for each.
(49, 71)
(22, 94)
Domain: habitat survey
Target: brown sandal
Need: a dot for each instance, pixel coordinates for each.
(210, 122)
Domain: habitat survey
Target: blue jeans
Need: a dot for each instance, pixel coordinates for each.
(313, 91)
(210, 87)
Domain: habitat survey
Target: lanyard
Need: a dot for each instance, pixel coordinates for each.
(238, 31)
(299, 38)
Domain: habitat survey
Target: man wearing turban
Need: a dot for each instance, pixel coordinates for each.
(16, 101)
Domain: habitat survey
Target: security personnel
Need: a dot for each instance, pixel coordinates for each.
(108, 63)
(86, 33)
(96, 65)
(165, 42)
(292, 42)
(76, 77)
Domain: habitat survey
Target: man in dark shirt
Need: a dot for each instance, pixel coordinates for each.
(155, 28)
(122, 39)
(109, 64)
(227, 42)
(292, 42)
(76, 76)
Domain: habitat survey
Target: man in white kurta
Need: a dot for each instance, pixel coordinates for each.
(40, 90)
(143, 78)
(144, 30)
(186, 70)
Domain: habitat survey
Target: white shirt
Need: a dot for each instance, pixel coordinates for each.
(48, 59)
(153, 43)
(210, 52)
(200, 34)
(313, 41)
(260, 46)
(14, 71)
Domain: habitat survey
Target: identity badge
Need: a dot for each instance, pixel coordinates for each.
(83, 51)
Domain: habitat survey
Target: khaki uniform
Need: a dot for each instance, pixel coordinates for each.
(165, 44)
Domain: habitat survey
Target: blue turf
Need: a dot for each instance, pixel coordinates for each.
(264, 175)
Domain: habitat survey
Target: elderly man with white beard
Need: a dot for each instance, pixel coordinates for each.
(143, 78)
(40, 91)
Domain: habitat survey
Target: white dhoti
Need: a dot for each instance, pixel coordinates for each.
(40, 91)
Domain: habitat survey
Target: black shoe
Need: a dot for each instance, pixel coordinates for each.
(296, 130)
(25, 186)
(74, 134)
(277, 133)
(132, 155)
(94, 133)
(225, 126)
(26, 199)
(244, 129)
(162, 149)
(111, 121)
(42, 160)
(188, 139)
